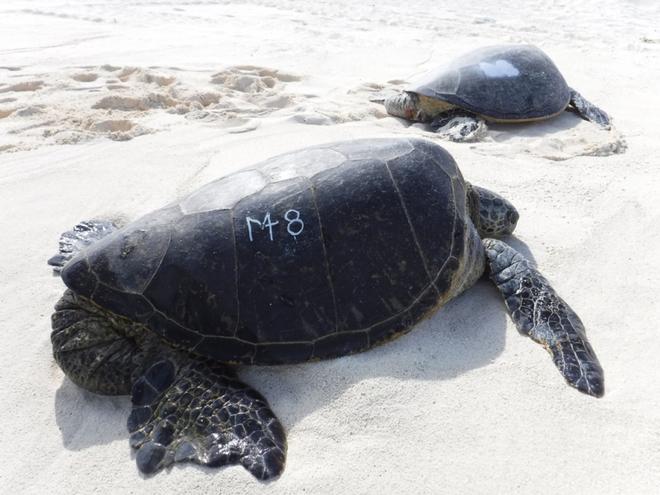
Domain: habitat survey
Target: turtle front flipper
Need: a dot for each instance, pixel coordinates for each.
(81, 236)
(189, 410)
(541, 314)
(588, 111)
(459, 126)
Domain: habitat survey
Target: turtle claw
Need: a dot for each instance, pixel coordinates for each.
(150, 457)
(265, 467)
(200, 412)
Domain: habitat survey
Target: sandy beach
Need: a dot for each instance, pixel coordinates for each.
(114, 109)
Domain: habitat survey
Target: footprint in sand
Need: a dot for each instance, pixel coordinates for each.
(137, 76)
(117, 130)
(135, 104)
(251, 78)
(22, 87)
(85, 77)
(251, 91)
(31, 110)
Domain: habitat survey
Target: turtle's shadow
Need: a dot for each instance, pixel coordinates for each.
(86, 419)
(467, 333)
(562, 122)
(503, 132)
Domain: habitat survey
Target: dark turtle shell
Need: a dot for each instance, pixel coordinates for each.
(501, 82)
(313, 254)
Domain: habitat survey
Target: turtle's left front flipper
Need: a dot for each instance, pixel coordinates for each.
(78, 238)
(541, 314)
(189, 410)
(588, 111)
(459, 126)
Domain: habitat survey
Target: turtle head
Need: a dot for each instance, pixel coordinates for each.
(492, 215)
(403, 104)
(92, 347)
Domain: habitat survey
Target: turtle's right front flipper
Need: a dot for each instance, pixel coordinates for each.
(541, 314)
(189, 410)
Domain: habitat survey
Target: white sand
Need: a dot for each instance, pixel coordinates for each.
(462, 404)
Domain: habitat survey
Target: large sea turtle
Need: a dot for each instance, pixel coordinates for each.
(500, 83)
(313, 254)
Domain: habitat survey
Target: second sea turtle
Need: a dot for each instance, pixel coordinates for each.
(500, 83)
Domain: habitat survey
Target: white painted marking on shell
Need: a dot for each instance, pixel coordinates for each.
(294, 227)
(249, 221)
(501, 68)
(295, 221)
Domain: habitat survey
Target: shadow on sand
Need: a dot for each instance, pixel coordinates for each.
(86, 419)
(502, 132)
(544, 128)
(466, 334)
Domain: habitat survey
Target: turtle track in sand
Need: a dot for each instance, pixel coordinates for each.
(121, 103)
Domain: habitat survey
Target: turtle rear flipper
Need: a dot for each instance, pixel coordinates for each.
(198, 411)
(588, 111)
(81, 236)
(542, 315)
